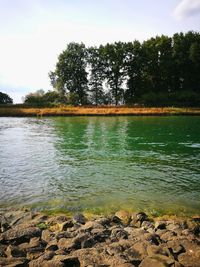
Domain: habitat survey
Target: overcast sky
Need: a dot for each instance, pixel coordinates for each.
(34, 32)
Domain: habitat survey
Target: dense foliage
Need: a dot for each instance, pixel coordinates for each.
(40, 98)
(5, 99)
(159, 71)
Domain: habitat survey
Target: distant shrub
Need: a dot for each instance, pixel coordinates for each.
(42, 99)
(5, 99)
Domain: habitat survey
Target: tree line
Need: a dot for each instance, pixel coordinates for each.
(159, 71)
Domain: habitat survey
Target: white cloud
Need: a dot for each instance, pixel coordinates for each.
(187, 8)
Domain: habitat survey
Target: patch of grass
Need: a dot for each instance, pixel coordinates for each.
(103, 111)
(42, 226)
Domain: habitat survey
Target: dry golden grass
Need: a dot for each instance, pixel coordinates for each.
(75, 111)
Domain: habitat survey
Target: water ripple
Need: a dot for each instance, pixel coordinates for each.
(100, 163)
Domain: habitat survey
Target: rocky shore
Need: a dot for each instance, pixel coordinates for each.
(121, 240)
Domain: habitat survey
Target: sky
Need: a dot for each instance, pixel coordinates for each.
(34, 32)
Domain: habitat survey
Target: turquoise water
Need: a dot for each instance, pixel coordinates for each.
(101, 164)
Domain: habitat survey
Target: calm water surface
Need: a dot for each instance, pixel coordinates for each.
(101, 164)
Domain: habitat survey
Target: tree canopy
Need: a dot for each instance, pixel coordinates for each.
(159, 71)
(40, 98)
(5, 99)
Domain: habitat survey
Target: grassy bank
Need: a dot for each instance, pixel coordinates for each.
(95, 111)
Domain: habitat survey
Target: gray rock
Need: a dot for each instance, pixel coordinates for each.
(100, 235)
(13, 262)
(114, 249)
(119, 233)
(153, 239)
(189, 259)
(141, 216)
(65, 225)
(46, 235)
(14, 251)
(132, 255)
(4, 225)
(2, 250)
(19, 234)
(104, 221)
(66, 234)
(66, 260)
(167, 236)
(88, 226)
(157, 261)
(175, 247)
(66, 244)
(79, 218)
(41, 261)
(154, 250)
(160, 225)
(80, 239)
(137, 219)
(141, 248)
(52, 246)
(122, 216)
(146, 225)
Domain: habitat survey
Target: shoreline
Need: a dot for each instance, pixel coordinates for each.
(122, 239)
(13, 111)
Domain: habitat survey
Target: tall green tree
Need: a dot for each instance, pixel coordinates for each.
(114, 63)
(187, 62)
(194, 56)
(97, 75)
(70, 75)
(159, 71)
(133, 67)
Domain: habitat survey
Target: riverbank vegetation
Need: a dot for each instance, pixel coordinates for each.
(21, 110)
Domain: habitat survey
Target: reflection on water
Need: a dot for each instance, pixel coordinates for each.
(101, 163)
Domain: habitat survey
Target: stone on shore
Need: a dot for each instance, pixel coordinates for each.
(125, 240)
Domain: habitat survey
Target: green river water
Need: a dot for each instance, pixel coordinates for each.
(101, 164)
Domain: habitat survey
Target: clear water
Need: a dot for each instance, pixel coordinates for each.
(101, 164)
